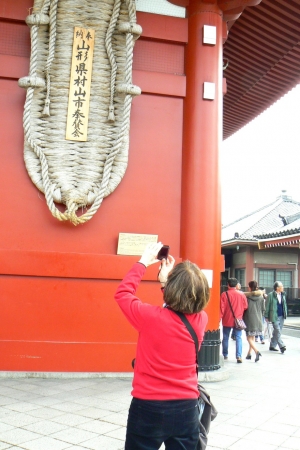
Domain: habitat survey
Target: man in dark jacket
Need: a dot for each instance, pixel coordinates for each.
(276, 312)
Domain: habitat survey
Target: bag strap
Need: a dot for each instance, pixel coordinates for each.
(230, 305)
(192, 333)
(207, 412)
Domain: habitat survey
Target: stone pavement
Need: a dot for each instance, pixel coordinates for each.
(292, 321)
(259, 404)
(259, 407)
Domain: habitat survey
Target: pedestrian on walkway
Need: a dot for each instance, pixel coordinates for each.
(262, 335)
(239, 304)
(164, 408)
(238, 288)
(253, 317)
(276, 312)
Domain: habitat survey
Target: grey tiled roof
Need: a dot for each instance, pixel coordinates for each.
(285, 230)
(261, 221)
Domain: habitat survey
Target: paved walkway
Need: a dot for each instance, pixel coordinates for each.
(259, 408)
(293, 321)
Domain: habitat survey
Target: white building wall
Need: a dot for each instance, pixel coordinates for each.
(162, 7)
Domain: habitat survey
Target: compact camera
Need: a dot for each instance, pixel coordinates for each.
(163, 252)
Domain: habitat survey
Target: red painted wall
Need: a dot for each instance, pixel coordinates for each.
(57, 281)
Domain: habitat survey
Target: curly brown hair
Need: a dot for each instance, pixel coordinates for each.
(186, 289)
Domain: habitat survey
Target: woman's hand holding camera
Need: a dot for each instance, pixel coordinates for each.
(150, 254)
(165, 268)
(150, 257)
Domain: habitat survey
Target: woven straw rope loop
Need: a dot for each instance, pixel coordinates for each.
(31, 81)
(130, 89)
(133, 28)
(112, 59)
(37, 19)
(79, 174)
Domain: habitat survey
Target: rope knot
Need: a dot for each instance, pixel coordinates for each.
(73, 203)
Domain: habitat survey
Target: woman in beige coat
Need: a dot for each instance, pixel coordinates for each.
(253, 317)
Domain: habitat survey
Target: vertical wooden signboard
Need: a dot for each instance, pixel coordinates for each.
(80, 84)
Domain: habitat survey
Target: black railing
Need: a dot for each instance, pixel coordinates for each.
(292, 297)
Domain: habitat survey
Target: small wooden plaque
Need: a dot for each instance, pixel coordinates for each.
(134, 244)
(80, 84)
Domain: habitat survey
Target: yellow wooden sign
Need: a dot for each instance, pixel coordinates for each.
(134, 244)
(80, 84)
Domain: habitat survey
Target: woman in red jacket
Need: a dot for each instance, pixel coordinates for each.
(164, 407)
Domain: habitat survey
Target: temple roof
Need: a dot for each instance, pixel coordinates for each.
(262, 222)
(289, 229)
(263, 53)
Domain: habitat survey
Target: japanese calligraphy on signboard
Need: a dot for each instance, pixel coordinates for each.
(134, 244)
(80, 84)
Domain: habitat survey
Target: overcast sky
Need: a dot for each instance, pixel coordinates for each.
(262, 159)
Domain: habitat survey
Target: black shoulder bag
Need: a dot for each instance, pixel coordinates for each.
(207, 411)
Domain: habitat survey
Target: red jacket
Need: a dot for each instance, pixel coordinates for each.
(165, 367)
(238, 302)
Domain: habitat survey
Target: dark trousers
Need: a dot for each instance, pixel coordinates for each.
(152, 422)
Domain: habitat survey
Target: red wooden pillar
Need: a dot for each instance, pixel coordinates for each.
(201, 216)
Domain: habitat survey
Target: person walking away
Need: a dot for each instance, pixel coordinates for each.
(262, 336)
(239, 304)
(238, 288)
(253, 317)
(276, 312)
(164, 407)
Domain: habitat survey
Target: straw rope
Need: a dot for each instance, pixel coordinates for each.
(53, 10)
(79, 174)
(112, 59)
